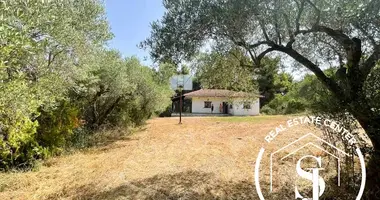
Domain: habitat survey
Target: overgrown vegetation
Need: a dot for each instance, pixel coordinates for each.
(60, 83)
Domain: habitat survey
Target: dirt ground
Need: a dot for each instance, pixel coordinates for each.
(203, 158)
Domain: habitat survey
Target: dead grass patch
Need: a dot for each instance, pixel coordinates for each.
(204, 158)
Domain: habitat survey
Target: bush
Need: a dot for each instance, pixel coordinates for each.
(18, 127)
(18, 147)
(57, 126)
(166, 113)
(284, 104)
(294, 106)
(268, 110)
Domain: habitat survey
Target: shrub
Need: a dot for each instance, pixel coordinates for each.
(18, 107)
(56, 127)
(18, 147)
(284, 104)
(294, 106)
(268, 110)
(166, 113)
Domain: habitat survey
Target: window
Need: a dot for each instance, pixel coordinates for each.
(207, 104)
(230, 106)
(247, 105)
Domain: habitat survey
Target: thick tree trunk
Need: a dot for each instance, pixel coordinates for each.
(372, 190)
(372, 128)
(362, 110)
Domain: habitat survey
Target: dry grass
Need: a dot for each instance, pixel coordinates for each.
(204, 158)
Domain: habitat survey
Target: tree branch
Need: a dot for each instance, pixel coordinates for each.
(290, 32)
(255, 45)
(257, 59)
(328, 82)
(276, 26)
(299, 15)
(261, 55)
(251, 55)
(240, 60)
(337, 35)
(262, 26)
(293, 35)
(370, 63)
(52, 56)
(264, 31)
(365, 33)
(353, 50)
(318, 12)
(339, 54)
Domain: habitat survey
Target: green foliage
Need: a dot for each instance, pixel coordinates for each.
(317, 97)
(233, 70)
(184, 70)
(270, 80)
(56, 127)
(41, 42)
(58, 80)
(372, 89)
(18, 147)
(17, 125)
(283, 82)
(164, 72)
(147, 98)
(121, 92)
(284, 104)
(257, 26)
(311, 95)
(230, 70)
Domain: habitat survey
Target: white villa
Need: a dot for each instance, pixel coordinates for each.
(224, 102)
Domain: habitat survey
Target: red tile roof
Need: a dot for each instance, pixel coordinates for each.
(219, 93)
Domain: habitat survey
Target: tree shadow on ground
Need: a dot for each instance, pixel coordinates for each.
(188, 185)
(184, 185)
(108, 140)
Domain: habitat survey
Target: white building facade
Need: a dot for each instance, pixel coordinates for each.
(224, 102)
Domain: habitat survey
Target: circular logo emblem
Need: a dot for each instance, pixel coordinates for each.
(307, 165)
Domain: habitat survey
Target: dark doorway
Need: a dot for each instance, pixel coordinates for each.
(225, 107)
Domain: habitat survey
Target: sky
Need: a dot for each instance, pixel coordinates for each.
(130, 23)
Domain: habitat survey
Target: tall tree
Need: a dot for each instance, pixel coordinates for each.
(225, 71)
(311, 32)
(233, 70)
(56, 76)
(42, 45)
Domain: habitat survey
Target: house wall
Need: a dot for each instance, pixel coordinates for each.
(230, 111)
(198, 104)
(237, 107)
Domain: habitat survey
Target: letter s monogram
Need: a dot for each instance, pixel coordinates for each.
(318, 182)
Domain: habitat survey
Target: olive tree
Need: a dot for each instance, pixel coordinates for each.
(43, 45)
(313, 33)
